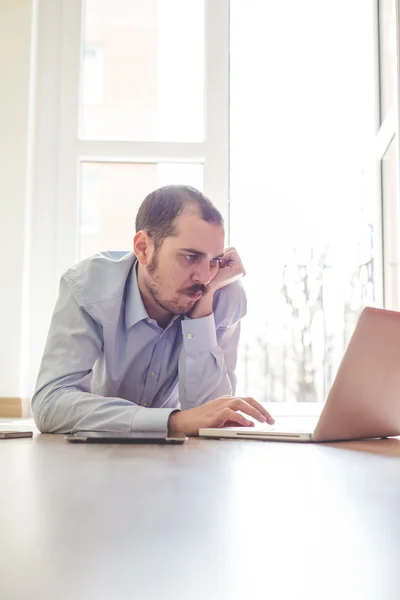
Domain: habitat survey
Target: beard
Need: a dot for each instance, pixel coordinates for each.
(177, 305)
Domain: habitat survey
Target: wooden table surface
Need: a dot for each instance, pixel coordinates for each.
(210, 519)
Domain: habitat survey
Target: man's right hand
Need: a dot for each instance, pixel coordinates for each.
(218, 413)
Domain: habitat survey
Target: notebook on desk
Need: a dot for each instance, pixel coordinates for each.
(364, 400)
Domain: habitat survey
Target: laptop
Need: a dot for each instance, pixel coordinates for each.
(364, 400)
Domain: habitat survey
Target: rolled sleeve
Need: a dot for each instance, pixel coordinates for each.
(199, 335)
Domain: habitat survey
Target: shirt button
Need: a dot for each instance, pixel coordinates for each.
(144, 403)
(153, 374)
(189, 336)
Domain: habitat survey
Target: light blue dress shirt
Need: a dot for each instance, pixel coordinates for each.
(108, 367)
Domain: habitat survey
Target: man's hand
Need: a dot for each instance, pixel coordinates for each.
(230, 269)
(218, 413)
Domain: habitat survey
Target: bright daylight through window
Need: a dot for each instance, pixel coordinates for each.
(303, 205)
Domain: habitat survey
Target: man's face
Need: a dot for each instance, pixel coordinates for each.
(178, 272)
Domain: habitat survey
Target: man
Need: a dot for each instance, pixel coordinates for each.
(137, 336)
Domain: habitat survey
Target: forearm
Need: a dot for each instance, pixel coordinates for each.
(69, 409)
(203, 371)
(210, 346)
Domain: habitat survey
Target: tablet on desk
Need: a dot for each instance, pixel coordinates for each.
(136, 437)
(7, 435)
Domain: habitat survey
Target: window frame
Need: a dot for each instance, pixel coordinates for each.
(387, 132)
(213, 152)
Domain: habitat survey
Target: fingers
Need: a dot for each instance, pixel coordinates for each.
(261, 409)
(233, 253)
(248, 406)
(229, 416)
(230, 255)
(254, 410)
(239, 404)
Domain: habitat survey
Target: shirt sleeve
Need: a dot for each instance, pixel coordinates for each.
(62, 401)
(209, 350)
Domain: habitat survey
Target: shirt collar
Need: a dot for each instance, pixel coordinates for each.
(134, 307)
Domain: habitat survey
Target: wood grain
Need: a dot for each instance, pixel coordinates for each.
(211, 519)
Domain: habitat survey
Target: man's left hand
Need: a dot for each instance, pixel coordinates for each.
(230, 269)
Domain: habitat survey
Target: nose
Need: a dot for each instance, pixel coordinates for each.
(202, 273)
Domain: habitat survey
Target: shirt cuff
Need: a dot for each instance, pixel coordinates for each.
(152, 419)
(199, 335)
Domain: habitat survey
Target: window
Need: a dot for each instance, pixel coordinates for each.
(111, 194)
(145, 115)
(92, 75)
(390, 209)
(275, 121)
(90, 217)
(302, 203)
(153, 70)
(387, 148)
(387, 55)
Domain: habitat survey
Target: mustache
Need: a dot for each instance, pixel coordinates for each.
(199, 287)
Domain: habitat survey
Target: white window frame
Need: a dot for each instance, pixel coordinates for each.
(213, 153)
(386, 132)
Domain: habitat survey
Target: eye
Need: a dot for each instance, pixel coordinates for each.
(190, 257)
(214, 262)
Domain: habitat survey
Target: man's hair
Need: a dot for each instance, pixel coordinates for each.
(160, 208)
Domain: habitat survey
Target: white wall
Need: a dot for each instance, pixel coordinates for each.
(41, 288)
(29, 162)
(15, 64)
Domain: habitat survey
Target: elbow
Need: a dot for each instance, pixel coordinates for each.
(39, 414)
(44, 412)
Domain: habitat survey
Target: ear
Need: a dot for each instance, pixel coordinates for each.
(142, 247)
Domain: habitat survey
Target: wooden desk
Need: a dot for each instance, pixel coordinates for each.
(212, 519)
